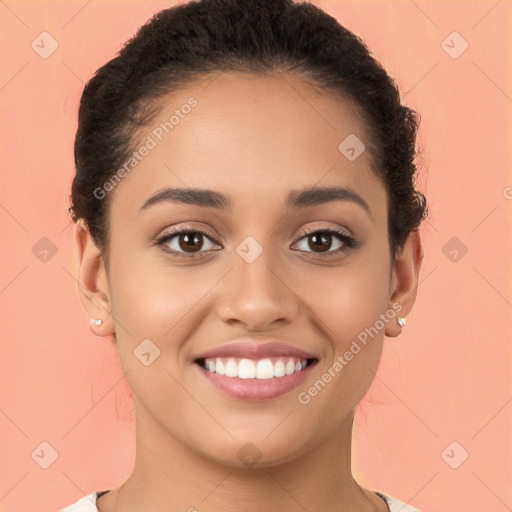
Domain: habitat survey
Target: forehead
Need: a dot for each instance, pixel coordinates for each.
(252, 137)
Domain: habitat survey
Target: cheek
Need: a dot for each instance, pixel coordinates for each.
(347, 307)
(163, 302)
(347, 299)
(150, 295)
(161, 299)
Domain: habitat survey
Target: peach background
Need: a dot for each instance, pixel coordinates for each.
(447, 378)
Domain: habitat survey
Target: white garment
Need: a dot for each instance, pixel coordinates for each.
(88, 504)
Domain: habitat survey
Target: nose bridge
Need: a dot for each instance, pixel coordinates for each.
(254, 292)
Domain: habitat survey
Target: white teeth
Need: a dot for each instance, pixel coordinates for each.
(279, 368)
(246, 369)
(261, 369)
(289, 368)
(231, 368)
(265, 369)
(219, 367)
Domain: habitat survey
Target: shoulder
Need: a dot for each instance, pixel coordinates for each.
(84, 504)
(397, 505)
(88, 504)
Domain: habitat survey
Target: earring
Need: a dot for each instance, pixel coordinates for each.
(96, 322)
(401, 321)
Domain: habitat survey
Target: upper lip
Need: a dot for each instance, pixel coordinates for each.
(255, 349)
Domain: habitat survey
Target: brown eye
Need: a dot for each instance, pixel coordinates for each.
(321, 241)
(190, 242)
(186, 243)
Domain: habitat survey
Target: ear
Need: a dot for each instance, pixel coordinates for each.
(404, 281)
(92, 281)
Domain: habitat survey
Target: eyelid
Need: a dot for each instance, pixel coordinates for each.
(174, 232)
(349, 241)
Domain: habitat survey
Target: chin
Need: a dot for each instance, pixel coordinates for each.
(254, 451)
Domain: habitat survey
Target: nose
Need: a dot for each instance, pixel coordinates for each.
(259, 295)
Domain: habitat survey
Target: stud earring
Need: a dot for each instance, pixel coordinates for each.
(401, 321)
(96, 322)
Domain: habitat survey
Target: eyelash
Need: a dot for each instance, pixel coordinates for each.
(349, 241)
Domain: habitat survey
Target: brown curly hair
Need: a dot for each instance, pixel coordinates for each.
(185, 42)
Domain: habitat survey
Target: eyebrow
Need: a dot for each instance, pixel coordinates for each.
(296, 199)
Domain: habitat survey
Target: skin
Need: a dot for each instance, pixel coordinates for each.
(254, 138)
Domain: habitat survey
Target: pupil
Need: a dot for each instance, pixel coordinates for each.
(325, 243)
(190, 241)
(321, 241)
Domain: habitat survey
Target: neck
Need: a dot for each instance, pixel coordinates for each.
(168, 476)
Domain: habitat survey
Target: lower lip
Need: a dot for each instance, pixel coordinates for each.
(255, 389)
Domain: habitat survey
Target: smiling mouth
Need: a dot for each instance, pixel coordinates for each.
(264, 368)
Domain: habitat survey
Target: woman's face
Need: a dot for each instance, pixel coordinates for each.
(256, 273)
